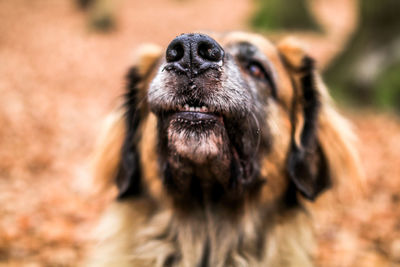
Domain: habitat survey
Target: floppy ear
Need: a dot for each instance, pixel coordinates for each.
(117, 158)
(128, 178)
(321, 149)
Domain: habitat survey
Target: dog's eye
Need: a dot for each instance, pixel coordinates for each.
(256, 70)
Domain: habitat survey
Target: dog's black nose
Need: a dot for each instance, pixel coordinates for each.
(194, 53)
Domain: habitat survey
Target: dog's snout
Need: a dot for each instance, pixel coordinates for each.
(194, 53)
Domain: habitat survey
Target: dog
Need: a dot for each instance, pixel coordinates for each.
(221, 140)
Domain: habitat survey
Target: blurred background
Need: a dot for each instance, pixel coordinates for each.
(62, 67)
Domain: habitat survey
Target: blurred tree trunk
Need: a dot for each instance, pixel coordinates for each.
(100, 14)
(364, 70)
(283, 14)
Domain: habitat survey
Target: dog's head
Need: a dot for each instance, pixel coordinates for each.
(225, 118)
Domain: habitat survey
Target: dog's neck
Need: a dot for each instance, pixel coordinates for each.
(257, 237)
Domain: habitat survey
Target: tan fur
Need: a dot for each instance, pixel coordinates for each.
(146, 231)
(107, 156)
(149, 157)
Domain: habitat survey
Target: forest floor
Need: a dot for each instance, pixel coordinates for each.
(58, 81)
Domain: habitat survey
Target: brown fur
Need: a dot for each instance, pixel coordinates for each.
(266, 230)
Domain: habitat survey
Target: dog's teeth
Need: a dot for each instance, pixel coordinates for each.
(186, 107)
(198, 109)
(192, 109)
(204, 109)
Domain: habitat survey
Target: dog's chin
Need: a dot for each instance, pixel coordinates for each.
(197, 137)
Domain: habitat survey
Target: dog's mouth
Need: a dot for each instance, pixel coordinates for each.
(192, 116)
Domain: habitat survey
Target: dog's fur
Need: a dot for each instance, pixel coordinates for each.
(226, 192)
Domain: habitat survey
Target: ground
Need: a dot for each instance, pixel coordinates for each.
(59, 79)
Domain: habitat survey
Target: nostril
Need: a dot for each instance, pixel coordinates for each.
(209, 51)
(175, 52)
